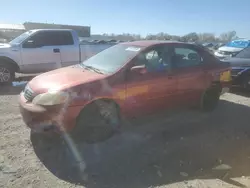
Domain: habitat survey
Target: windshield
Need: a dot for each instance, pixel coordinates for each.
(238, 44)
(244, 53)
(21, 38)
(113, 58)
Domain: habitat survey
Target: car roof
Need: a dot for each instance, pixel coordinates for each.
(148, 43)
(34, 30)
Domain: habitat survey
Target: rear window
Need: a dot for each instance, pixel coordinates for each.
(65, 38)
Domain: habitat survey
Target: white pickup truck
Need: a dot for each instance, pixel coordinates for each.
(42, 50)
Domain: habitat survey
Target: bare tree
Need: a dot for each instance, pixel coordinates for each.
(228, 36)
(190, 37)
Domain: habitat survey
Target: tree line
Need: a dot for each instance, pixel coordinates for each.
(190, 37)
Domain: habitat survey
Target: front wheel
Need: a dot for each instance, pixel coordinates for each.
(7, 74)
(97, 122)
(210, 99)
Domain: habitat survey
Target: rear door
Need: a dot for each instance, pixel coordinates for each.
(188, 67)
(69, 49)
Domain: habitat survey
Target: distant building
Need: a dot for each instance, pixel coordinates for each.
(10, 31)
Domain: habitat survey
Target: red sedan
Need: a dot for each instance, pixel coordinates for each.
(128, 79)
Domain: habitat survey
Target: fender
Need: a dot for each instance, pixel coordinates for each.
(9, 60)
(102, 99)
(86, 96)
(98, 98)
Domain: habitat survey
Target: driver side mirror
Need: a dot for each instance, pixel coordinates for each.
(138, 70)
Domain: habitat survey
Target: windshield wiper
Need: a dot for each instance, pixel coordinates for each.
(91, 68)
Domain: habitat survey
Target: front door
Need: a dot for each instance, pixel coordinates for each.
(191, 78)
(154, 89)
(40, 53)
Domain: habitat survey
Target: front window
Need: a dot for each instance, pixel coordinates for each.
(112, 59)
(244, 53)
(154, 60)
(239, 43)
(21, 38)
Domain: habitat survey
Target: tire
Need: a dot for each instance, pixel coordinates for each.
(93, 125)
(7, 73)
(45, 139)
(210, 99)
(246, 84)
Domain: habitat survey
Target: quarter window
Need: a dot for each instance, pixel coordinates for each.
(156, 59)
(185, 57)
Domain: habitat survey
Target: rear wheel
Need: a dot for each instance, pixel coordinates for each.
(97, 122)
(246, 83)
(7, 74)
(210, 99)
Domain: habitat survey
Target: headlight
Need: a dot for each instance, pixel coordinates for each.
(51, 98)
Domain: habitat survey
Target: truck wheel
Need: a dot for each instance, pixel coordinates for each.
(7, 74)
(246, 83)
(97, 122)
(210, 99)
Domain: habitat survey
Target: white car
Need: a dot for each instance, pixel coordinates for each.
(232, 48)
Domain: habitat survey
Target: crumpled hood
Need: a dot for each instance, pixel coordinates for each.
(229, 49)
(238, 62)
(63, 78)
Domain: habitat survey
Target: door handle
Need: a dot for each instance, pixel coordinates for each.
(56, 50)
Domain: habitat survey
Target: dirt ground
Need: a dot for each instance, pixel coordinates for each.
(178, 149)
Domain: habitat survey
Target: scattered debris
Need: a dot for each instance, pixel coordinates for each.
(1, 159)
(184, 174)
(225, 176)
(181, 163)
(84, 176)
(159, 173)
(222, 167)
(156, 166)
(219, 161)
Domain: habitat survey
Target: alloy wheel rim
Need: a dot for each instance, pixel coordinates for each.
(4, 74)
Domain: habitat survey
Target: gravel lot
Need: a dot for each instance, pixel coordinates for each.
(178, 149)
